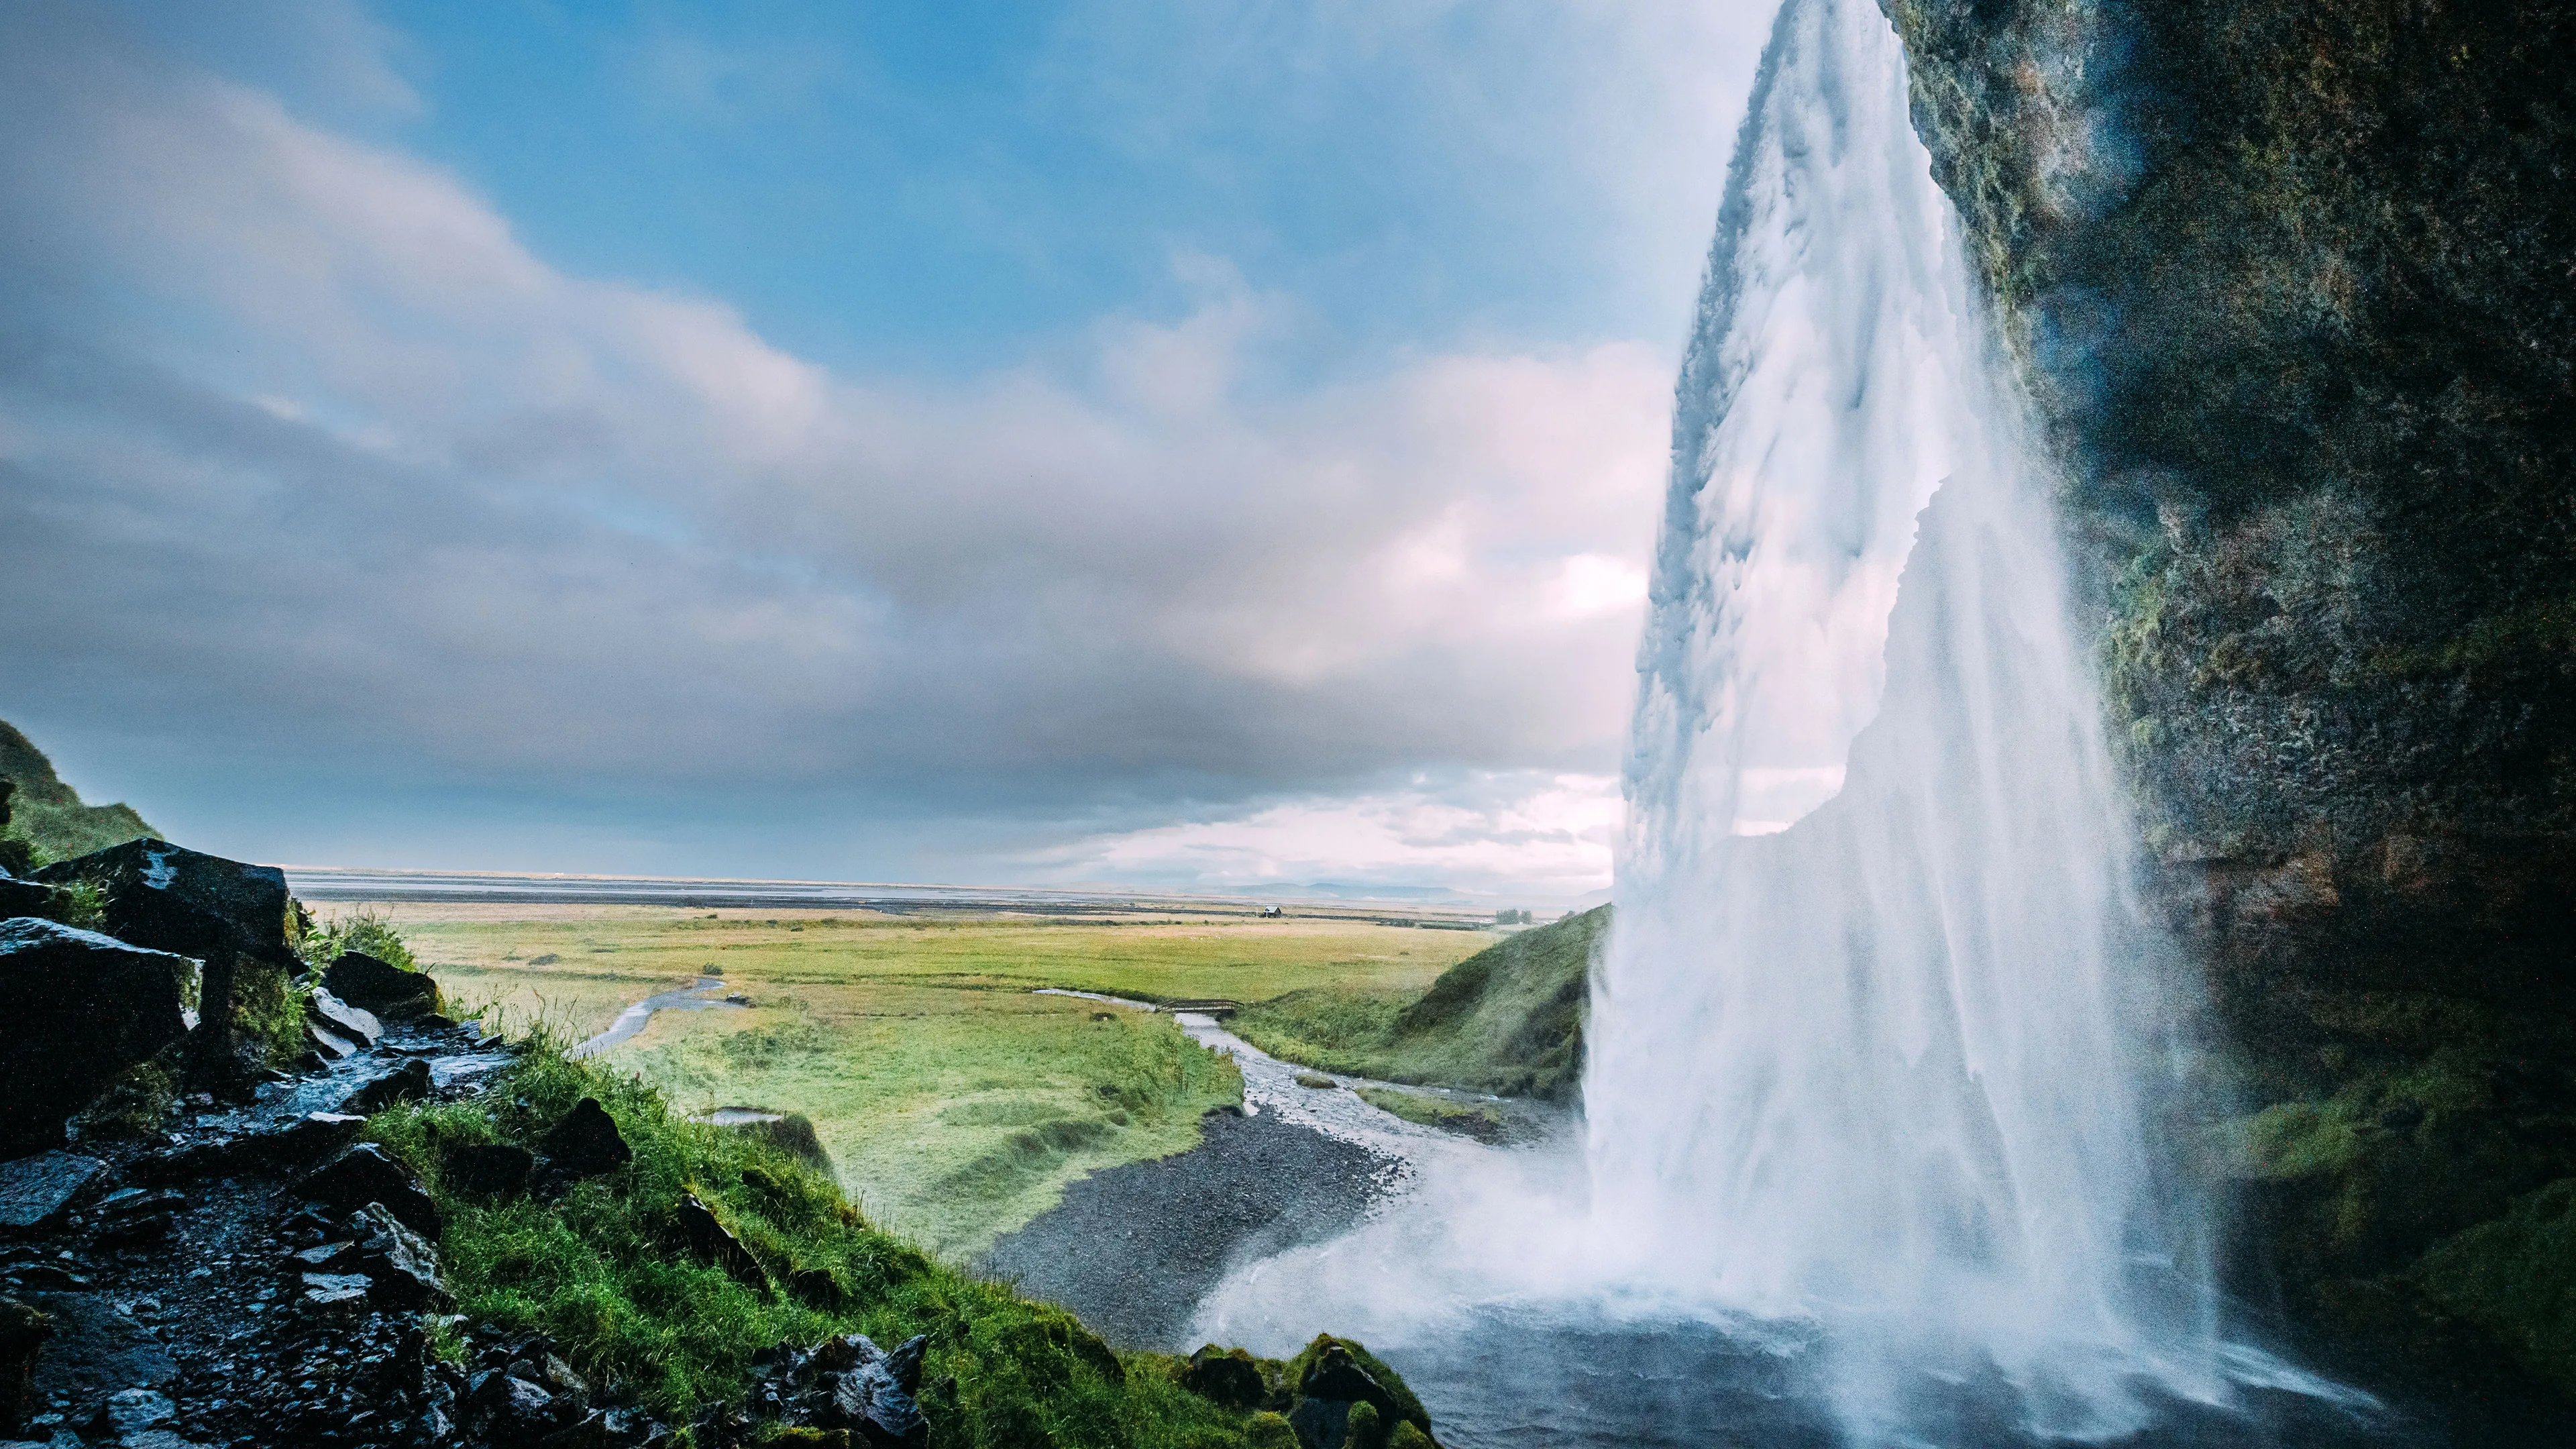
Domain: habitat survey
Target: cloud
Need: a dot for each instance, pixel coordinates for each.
(306, 457)
(1500, 833)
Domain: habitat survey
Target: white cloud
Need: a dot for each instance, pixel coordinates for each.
(308, 455)
(1501, 834)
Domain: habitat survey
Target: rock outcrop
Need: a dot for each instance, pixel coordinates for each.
(235, 918)
(83, 1009)
(380, 987)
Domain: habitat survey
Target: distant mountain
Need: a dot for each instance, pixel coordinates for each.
(44, 812)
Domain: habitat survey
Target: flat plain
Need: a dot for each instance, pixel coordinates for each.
(954, 1101)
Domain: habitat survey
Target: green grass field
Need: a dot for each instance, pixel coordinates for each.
(955, 1104)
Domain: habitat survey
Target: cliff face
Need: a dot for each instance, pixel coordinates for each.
(2293, 285)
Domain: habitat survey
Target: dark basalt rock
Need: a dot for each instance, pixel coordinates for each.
(380, 986)
(287, 1145)
(97, 1349)
(83, 1009)
(585, 1143)
(711, 1240)
(406, 1083)
(402, 1265)
(1332, 1378)
(486, 1169)
(34, 1189)
(509, 1410)
(25, 898)
(2287, 283)
(134, 1217)
(367, 1174)
(844, 1390)
(875, 1406)
(235, 918)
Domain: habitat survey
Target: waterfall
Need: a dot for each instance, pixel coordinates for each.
(1876, 1040)
(1882, 1059)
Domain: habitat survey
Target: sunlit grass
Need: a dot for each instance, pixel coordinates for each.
(955, 1103)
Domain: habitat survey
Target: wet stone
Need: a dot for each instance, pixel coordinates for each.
(380, 986)
(367, 1174)
(83, 1009)
(406, 1083)
(33, 1190)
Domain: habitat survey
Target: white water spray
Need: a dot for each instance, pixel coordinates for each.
(1890, 1068)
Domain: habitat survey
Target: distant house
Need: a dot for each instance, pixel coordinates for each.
(1270, 910)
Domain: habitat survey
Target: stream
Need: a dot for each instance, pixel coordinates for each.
(632, 1020)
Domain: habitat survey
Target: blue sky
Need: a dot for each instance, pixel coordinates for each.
(1184, 444)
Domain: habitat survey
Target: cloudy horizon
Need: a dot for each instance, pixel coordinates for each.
(1131, 446)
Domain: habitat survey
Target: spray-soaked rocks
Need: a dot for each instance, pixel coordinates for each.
(376, 1258)
(367, 1174)
(520, 1394)
(842, 1389)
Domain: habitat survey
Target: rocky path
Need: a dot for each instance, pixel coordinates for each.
(253, 1277)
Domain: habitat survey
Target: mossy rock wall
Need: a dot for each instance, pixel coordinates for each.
(2293, 287)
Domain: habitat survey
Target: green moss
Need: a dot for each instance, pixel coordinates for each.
(1400, 1401)
(2515, 1276)
(137, 1106)
(81, 903)
(268, 1008)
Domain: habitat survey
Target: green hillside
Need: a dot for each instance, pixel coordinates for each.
(1508, 1019)
(48, 814)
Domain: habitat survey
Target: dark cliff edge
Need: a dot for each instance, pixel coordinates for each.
(2293, 287)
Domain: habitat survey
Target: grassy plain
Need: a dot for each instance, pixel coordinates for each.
(955, 1104)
